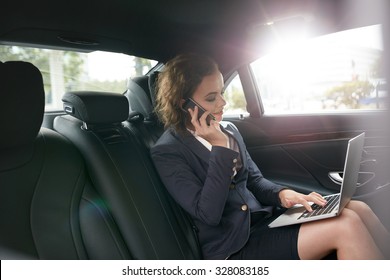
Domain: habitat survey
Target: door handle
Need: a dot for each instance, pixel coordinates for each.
(366, 177)
(336, 178)
(368, 162)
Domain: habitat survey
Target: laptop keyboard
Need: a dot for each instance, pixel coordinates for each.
(332, 202)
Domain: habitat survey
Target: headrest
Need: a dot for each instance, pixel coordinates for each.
(141, 94)
(138, 95)
(153, 87)
(96, 107)
(22, 100)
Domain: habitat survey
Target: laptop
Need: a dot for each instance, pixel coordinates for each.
(336, 202)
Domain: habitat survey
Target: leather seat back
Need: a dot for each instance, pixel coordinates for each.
(144, 124)
(40, 184)
(124, 175)
(45, 192)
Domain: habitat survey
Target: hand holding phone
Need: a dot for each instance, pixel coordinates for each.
(213, 135)
(190, 103)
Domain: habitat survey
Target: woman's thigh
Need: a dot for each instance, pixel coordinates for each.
(318, 239)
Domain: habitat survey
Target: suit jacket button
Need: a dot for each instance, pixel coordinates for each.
(244, 207)
(231, 186)
(235, 160)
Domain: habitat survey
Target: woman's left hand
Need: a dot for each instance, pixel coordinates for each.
(289, 198)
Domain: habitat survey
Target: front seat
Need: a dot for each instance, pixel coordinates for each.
(43, 180)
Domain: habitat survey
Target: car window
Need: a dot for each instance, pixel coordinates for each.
(337, 72)
(234, 97)
(64, 71)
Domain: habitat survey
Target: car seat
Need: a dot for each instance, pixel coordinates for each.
(48, 208)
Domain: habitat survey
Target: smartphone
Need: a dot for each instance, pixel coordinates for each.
(190, 103)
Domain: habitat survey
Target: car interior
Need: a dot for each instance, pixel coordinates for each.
(77, 182)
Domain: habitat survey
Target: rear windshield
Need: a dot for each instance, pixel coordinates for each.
(64, 71)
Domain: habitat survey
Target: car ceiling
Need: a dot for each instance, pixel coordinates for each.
(155, 29)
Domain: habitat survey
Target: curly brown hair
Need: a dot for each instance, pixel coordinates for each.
(179, 80)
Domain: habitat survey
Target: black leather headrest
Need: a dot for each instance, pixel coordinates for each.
(141, 94)
(138, 95)
(22, 100)
(96, 107)
(153, 86)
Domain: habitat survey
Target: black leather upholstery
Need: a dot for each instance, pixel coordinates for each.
(141, 95)
(85, 106)
(122, 172)
(21, 90)
(16, 142)
(39, 203)
(45, 192)
(147, 129)
(139, 98)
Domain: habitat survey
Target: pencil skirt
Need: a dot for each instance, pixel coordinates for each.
(266, 243)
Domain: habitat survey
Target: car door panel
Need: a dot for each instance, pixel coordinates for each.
(304, 151)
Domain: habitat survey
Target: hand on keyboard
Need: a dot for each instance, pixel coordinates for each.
(289, 198)
(332, 202)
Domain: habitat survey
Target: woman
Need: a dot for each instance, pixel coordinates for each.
(208, 171)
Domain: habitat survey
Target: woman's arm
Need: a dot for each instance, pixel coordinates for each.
(264, 190)
(203, 200)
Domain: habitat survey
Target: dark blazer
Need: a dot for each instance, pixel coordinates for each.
(202, 182)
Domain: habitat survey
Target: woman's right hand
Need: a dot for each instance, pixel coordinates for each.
(289, 198)
(212, 133)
